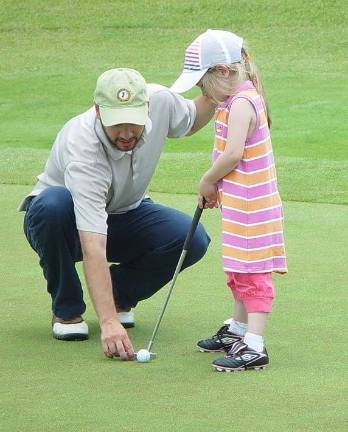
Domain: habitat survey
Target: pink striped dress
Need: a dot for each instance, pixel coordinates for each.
(252, 214)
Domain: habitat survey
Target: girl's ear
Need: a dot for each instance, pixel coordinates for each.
(223, 70)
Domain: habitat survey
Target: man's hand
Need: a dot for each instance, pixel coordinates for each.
(115, 341)
(114, 338)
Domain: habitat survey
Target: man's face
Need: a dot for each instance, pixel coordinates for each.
(124, 136)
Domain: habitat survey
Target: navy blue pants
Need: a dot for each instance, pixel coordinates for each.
(146, 244)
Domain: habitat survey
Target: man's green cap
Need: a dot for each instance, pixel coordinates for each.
(122, 97)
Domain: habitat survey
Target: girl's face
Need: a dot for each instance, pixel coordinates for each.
(216, 96)
(220, 82)
(200, 85)
(217, 88)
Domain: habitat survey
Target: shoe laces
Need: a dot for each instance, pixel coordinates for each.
(220, 333)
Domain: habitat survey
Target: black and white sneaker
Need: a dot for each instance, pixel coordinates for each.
(221, 341)
(126, 318)
(70, 332)
(240, 358)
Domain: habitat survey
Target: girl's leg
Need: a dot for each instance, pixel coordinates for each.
(229, 333)
(256, 292)
(238, 324)
(258, 297)
(240, 314)
(257, 322)
(256, 326)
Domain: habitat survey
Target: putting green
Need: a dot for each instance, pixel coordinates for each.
(58, 386)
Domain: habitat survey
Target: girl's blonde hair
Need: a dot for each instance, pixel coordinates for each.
(246, 69)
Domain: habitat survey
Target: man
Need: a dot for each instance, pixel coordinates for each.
(90, 204)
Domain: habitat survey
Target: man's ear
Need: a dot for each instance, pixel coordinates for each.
(97, 110)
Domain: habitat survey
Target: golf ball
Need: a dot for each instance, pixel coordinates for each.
(143, 356)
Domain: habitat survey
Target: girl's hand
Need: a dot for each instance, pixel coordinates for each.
(207, 190)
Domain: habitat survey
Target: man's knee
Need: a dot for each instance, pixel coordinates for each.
(54, 205)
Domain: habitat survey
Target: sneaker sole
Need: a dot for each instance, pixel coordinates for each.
(128, 325)
(210, 351)
(240, 369)
(71, 337)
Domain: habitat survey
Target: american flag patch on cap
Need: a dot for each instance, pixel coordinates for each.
(193, 56)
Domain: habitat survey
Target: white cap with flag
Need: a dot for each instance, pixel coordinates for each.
(209, 49)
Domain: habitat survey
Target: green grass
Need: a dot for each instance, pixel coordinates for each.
(52, 53)
(55, 386)
(300, 179)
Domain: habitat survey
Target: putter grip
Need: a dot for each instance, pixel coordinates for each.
(193, 227)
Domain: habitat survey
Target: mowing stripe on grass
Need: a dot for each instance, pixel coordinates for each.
(300, 179)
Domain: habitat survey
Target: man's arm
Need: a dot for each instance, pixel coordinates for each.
(205, 109)
(114, 337)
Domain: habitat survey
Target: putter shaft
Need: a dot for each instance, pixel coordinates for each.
(186, 246)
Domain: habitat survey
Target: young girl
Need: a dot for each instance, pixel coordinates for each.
(242, 182)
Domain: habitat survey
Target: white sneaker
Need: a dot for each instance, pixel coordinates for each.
(126, 318)
(228, 321)
(70, 332)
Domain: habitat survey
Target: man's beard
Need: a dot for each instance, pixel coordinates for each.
(115, 144)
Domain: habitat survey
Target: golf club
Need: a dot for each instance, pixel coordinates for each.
(186, 247)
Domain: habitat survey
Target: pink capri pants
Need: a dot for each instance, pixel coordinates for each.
(255, 290)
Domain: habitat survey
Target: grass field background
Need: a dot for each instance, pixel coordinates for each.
(52, 386)
(52, 53)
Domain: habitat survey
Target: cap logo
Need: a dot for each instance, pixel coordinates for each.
(192, 56)
(123, 95)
